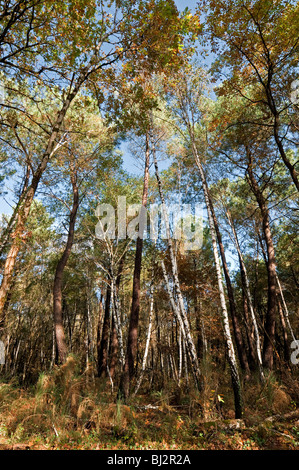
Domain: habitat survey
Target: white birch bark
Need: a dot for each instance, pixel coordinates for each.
(285, 309)
(185, 362)
(179, 312)
(249, 299)
(204, 338)
(148, 339)
(224, 314)
(116, 317)
(180, 353)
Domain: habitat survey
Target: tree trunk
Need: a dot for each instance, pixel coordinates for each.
(233, 311)
(225, 321)
(148, 338)
(57, 287)
(131, 353)
(99, 324)
(248, 303)
(285, 310)
(116, 334)
(113, 349)
(103, 346)
(284, 332)
(248, 324)
(116, 312)
(180, 312)
(288, 164)
(269, 337)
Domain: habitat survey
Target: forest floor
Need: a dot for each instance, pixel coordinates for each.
(185, 435)
(64, 411)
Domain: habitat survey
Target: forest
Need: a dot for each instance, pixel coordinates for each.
(149, 261)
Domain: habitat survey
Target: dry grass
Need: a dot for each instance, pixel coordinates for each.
(68, 410)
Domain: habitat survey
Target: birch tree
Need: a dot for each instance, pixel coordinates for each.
(187, 101)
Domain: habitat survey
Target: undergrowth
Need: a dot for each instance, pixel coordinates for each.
(67, 409)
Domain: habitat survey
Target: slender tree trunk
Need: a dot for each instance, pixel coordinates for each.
(248, 301)
(201, 343)
(285, 310)
(89, 334)
(173, 367)
(131, 353)
(184, 327)
(233, 311)
(116, 313)
(180, 312)
(186, 363)
(248, 324)
(116, 334)
(269, 337)
(225, 321)
(99, 323)
(286, 161)
(180, 353)
(53, 348)
(114, 349)
(57, 287)
(276, 124)
(284, 332)
(103, 346)
(158, 343)
(148, 338)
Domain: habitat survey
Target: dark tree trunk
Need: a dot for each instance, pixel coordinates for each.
(249, 329)
(103, 346)
(57, 287)
(99, 326)
(269, 337)
(278, 140)
(284, 332)
(131, 353)
(114, 339)
(113, 350)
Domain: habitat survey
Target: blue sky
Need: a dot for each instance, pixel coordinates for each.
(182, 4)
(5, 206)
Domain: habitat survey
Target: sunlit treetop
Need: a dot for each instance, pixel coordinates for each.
(254, 41)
